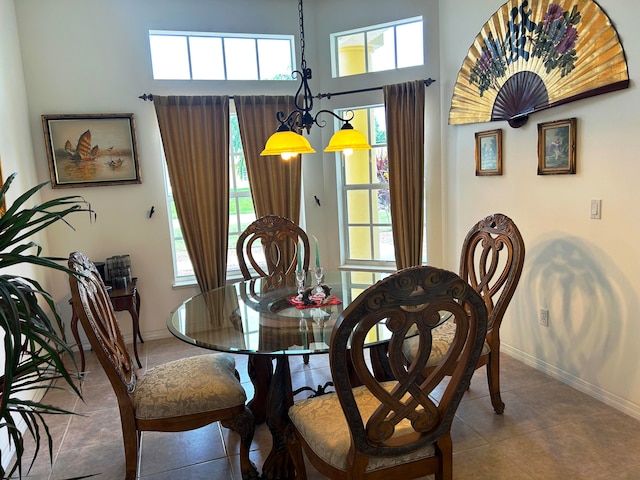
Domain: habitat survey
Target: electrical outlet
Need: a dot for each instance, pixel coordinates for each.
(544, 317)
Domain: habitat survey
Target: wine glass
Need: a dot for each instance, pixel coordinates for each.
(319, 273)
(300, 274)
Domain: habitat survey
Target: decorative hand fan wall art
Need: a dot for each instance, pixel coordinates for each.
(535, 55)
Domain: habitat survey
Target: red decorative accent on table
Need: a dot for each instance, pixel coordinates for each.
(313, 303)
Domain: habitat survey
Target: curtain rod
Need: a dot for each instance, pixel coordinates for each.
(427, 82)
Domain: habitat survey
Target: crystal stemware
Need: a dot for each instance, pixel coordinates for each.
(319, 273)
(300, 274)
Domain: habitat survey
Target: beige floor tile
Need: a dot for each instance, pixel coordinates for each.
(631, 474)
(162, 451)
(486, 463)
(549, 430)
(518, 418)
(220, 468)
(93, 429)
(103, 459)
(95, 397)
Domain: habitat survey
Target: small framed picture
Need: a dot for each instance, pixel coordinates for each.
(557, 147)
(91, 150)
(489, 152)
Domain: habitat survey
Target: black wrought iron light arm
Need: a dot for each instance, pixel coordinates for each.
(301, 117)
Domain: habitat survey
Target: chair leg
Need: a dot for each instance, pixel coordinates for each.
(356, 465)
(245, 426)
(444, 447)
(493, 378)
(295, 451)
(131, 439)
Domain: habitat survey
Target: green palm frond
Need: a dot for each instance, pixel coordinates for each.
(33, 335)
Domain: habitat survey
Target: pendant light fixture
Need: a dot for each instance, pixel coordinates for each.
(287, 142)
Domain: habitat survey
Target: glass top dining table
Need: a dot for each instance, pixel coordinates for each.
(257, 316)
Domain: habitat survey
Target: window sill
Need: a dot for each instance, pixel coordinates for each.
(367, 268)
(190, 282)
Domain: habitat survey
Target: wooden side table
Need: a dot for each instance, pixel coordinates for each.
(122, 299)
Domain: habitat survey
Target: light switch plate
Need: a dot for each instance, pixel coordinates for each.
(596, 209)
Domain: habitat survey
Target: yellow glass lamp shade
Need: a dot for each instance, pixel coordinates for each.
(347, 139)
(286, 144)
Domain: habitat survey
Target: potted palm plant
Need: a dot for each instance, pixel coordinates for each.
(31, 328)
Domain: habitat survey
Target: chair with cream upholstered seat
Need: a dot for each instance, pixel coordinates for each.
(491, 261)
(278, 239)
(176, 396)
(392, 429)
(270, 246)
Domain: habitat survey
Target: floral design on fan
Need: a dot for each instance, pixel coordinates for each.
(553, 40)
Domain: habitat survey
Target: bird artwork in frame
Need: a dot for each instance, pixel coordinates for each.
(489, 152)
(557, 147)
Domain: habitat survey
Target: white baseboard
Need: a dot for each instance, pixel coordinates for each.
(154, 335)
(590, 389)
(8, 451)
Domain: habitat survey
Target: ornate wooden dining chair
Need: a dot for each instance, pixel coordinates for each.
(393, 429)
(491, 261)
(176, 396)
(279, 239)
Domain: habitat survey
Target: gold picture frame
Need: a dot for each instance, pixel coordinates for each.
(91, 150)
(557, 147)
(489, 152)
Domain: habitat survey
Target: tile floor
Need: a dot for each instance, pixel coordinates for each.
(548, 431)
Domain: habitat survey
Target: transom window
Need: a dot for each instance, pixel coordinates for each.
(387, 46)
(221, 56)
(365, 215)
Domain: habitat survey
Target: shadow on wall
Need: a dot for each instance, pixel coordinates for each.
(590, 303)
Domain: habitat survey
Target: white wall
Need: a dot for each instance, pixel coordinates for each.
(92, 57)
(16, 151)
(586, 272)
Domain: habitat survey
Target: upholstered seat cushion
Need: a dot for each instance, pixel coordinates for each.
(323, 426)
(442, 337)
(187, 386)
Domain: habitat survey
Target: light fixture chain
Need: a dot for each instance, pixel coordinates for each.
(302, 44)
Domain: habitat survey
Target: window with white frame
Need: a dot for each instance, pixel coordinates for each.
(221, 56)
(241, 211)
(376, 48)
(365, 215)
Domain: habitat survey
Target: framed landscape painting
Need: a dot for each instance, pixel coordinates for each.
(489, 152)
(557, 147)
(91, 150)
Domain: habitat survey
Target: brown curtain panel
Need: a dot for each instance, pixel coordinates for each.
(274, 183)
(404, 105)
(195, 135)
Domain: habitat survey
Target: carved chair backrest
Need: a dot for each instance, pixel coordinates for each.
(95, 311)
(491, 261)
(410, 301)
(280, 240)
